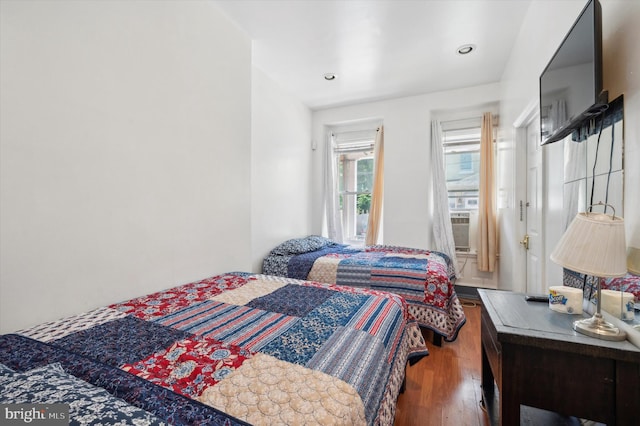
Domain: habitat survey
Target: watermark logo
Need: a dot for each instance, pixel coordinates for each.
(34, 414)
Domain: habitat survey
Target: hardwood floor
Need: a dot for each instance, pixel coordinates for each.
(444, 387)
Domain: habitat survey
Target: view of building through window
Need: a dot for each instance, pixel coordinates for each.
(462, 167)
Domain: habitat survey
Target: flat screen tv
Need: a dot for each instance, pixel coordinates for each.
(571, 84)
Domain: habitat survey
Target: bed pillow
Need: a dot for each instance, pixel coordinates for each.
(50, 384)
(302, 245)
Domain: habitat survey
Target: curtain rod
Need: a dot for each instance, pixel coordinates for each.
(475, 117)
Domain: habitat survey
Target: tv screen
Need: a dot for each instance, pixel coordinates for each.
(571, 84)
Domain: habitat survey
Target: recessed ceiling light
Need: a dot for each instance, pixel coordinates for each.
(465, 49)
(329, 76)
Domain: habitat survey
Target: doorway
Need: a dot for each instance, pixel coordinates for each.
(530, 201)
(532, 240)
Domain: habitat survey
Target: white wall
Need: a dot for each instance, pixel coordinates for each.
(407, 133)
(125, 152)
(281, 160)
(621, 32)
(544, 27)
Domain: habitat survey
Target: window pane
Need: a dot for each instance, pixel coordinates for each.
(341, 174)
(462, 167)
(365, 175)
(466, 162)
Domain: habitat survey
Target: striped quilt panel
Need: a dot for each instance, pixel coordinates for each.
(236, 325)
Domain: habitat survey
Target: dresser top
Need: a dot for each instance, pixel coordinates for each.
(522, 322)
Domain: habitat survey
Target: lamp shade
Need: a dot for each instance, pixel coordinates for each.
(593, 244)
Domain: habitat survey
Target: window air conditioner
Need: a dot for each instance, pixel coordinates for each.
(460, 225)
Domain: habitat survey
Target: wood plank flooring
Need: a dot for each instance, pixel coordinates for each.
(444, 387)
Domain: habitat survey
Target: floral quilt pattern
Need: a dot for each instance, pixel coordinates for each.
(190, 366)
(158, 304)
(88, 404)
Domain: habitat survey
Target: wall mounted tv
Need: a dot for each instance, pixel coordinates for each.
(571, 84)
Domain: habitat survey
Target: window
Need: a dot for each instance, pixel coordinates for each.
(466, 162)
(354, 155)
(462, 167)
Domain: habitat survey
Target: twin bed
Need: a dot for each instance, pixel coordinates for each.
(425, 279)
(232, 349)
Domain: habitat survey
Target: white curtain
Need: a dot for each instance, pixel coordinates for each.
(331, 195)
(442, 230)
(375, 214)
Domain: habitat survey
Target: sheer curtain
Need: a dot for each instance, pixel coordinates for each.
(331, 195)
(442, 229)
(375, 213)
(487, 229)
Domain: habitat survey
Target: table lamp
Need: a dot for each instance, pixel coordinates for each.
(594, 244)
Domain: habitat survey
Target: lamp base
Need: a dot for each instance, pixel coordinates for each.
(597, 327)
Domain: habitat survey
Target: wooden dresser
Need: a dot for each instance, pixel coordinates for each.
(538, 360)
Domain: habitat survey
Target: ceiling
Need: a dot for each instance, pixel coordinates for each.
(378, 49)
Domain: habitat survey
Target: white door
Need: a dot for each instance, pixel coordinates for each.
(531, 242)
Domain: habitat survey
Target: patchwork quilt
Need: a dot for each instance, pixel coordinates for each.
(424, 278)
(232, 349)
(629, 283)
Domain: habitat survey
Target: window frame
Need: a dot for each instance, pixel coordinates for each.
(349, 144)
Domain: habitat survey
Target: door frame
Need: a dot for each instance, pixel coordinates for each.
(528, 115)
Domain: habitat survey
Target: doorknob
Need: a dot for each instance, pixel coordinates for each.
(525, 241)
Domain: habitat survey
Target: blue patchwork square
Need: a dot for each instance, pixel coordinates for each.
(122, 341)
(300, 342)
(394, 262)
(293, 300)
(339, 308)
